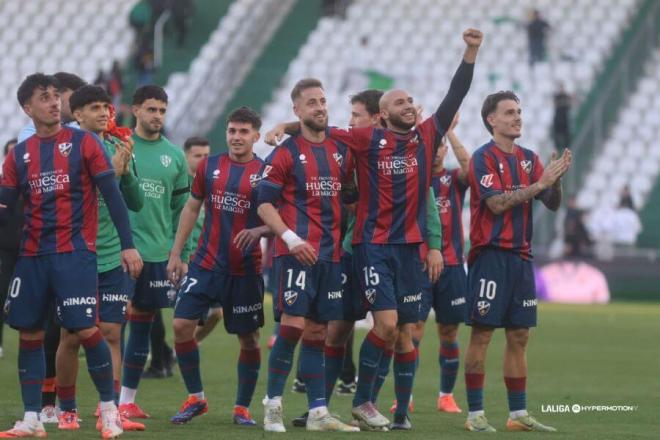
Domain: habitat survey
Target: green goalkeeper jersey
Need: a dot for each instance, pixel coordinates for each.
(108, 248)
(163, 175)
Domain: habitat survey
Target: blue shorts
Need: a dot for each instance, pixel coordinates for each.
(152, 289)
(389, 277)
(446, 296)
(354, 304)
(310, 291)
(69, 279)
(115, 290)
(501, 290)
(241, 298)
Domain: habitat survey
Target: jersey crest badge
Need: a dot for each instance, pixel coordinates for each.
(65, 148)
(526, 165)
(370, 294)
(338, 158)
(445, 180)
(165, 160)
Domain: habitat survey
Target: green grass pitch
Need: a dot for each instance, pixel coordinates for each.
(588, 355)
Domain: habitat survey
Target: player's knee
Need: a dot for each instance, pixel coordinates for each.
(249, 341)
(184, 329)
(314, 331)
(111, 334)
(481, 336)
(338, 333)
(70, 341)
(448, 332)
(517, 339)
(215, 315)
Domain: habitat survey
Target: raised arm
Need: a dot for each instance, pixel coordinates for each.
(460, 83)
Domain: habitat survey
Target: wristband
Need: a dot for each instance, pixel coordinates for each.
(291, 239)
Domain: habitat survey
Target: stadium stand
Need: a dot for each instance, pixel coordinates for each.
(432, 28)
(211, 80)
(57, 35)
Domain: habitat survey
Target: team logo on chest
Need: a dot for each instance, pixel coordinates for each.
(487, 180)
(65, 148)
(26, 158)
(254, 180)
(338, 158)
(303, 159)
(290, 297)
(445, 180)
(526, 165)
(216, 174)
(165, 160)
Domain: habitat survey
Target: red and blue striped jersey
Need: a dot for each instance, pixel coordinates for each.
(449, 198)
(393, 174)
(228, 189)
(493, 172)
(54, 176)
(304, 181)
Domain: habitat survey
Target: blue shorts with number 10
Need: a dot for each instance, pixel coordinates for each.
(390, 278)
(501, 290)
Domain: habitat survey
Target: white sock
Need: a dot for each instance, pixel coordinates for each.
(127, 395)
(319, 411)
(516, 414)
(31, 417)
(105, 406)
(274, 401)
(475, 413)
(441, 394)
(200, 395)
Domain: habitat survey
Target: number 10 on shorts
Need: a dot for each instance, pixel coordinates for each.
(488, 289)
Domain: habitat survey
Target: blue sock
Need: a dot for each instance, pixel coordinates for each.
(136, 351)
(67, 397)
(249, 362)
(515, 391)
(416, 344)
(281, 358)
(312, 370)
(31, 372)
(474, 385)
(99, 365)
(334, 361)
(187, 355)
(449, 362)
(404, 376)
(371, 353)
(383, 371)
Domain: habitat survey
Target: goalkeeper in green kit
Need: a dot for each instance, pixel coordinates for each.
(163, 176)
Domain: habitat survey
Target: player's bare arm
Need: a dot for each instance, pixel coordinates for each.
(503, 202)
(459, 150)
(299, 248)
(552, 197)
(247, 238)
(275, 135)
(175, 266)
(434, 264)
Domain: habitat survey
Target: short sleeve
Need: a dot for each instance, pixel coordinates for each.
(9, 172)
(484, 179)
(198, 189)
(181, 183)
(96, 158)
(358, 139)
(275, 173)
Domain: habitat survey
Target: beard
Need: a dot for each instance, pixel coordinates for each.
(315, 126)
(399, 124)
